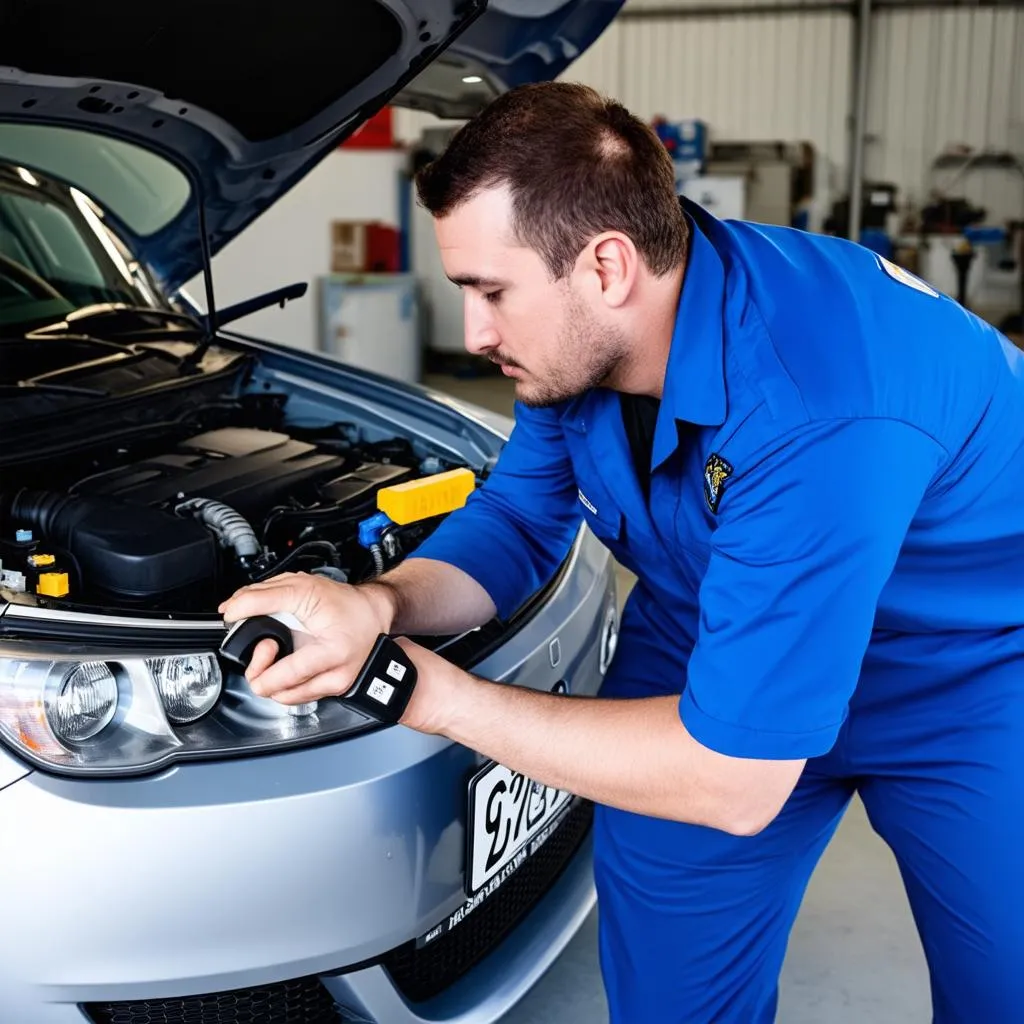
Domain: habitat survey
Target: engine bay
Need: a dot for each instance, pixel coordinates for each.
(177, 521)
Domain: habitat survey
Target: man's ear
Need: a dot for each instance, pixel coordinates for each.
(615, 263)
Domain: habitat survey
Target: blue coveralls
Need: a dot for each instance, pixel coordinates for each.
(831, 567)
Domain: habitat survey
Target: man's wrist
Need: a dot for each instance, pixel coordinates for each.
(443, 695)
(386, 601)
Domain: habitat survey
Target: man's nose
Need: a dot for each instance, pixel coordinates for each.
(481, 335)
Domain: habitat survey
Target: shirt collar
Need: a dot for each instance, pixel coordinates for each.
(694, 389)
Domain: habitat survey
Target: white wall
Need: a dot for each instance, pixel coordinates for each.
(291, 241)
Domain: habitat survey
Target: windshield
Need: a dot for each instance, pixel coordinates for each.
(57, 254)
(142, 189)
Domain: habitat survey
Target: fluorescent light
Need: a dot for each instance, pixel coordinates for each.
(27, 176)
(472, 79)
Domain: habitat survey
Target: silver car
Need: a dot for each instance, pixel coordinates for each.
(175, 849)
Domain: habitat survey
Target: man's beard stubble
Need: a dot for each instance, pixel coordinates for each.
(588, 355)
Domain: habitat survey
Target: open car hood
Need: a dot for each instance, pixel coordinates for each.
(244, 99)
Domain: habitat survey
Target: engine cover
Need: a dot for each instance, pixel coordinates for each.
(121, 549)
(250, 470)
(121, 527)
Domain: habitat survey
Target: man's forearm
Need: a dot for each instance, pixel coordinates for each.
(633, 754)
(426, 597)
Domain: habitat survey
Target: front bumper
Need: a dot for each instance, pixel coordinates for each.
(214, 877)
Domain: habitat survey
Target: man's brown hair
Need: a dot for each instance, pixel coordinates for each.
(576, 164)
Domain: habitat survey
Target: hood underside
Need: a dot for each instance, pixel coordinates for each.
(241, 100)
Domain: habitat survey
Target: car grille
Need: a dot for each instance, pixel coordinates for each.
(423, 973)
(299, 1001)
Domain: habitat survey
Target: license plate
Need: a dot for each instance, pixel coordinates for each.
(506, 811)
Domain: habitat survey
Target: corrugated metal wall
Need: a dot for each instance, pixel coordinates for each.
(763, 76)
(942, 78)
(760, 76)
(937, 77)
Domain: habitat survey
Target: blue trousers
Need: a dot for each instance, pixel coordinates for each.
(694, 922)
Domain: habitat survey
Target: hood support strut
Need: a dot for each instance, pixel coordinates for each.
(204, 242)
(192, 361)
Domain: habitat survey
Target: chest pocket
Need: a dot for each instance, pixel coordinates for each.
(601, 512)
(602, 516)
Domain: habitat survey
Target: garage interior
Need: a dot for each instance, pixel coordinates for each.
(897, 123)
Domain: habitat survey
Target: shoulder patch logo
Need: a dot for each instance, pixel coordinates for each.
(897, 273)
(716, 472)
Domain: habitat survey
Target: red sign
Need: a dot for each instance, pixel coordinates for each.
(377, 133)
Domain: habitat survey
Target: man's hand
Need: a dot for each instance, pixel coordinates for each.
(342, 623)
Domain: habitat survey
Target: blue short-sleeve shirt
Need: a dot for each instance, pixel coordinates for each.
(838, 457)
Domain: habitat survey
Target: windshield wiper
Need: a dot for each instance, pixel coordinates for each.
(279, 296)
(32, 388)
(120, 318)
(119, 314)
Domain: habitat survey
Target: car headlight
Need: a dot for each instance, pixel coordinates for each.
(189, 685)
(80, 700)
(103, 712)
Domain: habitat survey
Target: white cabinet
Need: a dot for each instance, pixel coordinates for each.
(722, 196)
(372, 321)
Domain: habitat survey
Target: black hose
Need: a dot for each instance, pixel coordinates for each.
(378, 559)
(272, 516)
(38, 508)
(303, 549)
(334, 515)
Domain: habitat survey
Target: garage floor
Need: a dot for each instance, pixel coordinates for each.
(854, 954)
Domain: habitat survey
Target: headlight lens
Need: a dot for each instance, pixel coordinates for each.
(82, 702)
(120, 712)
(188, 685)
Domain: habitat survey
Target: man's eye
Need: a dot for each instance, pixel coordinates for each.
(492, 296)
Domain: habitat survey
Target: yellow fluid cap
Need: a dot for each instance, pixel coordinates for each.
(431, 496)
(37, 561)
(53, 584)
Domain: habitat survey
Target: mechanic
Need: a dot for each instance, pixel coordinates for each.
(814, 465)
